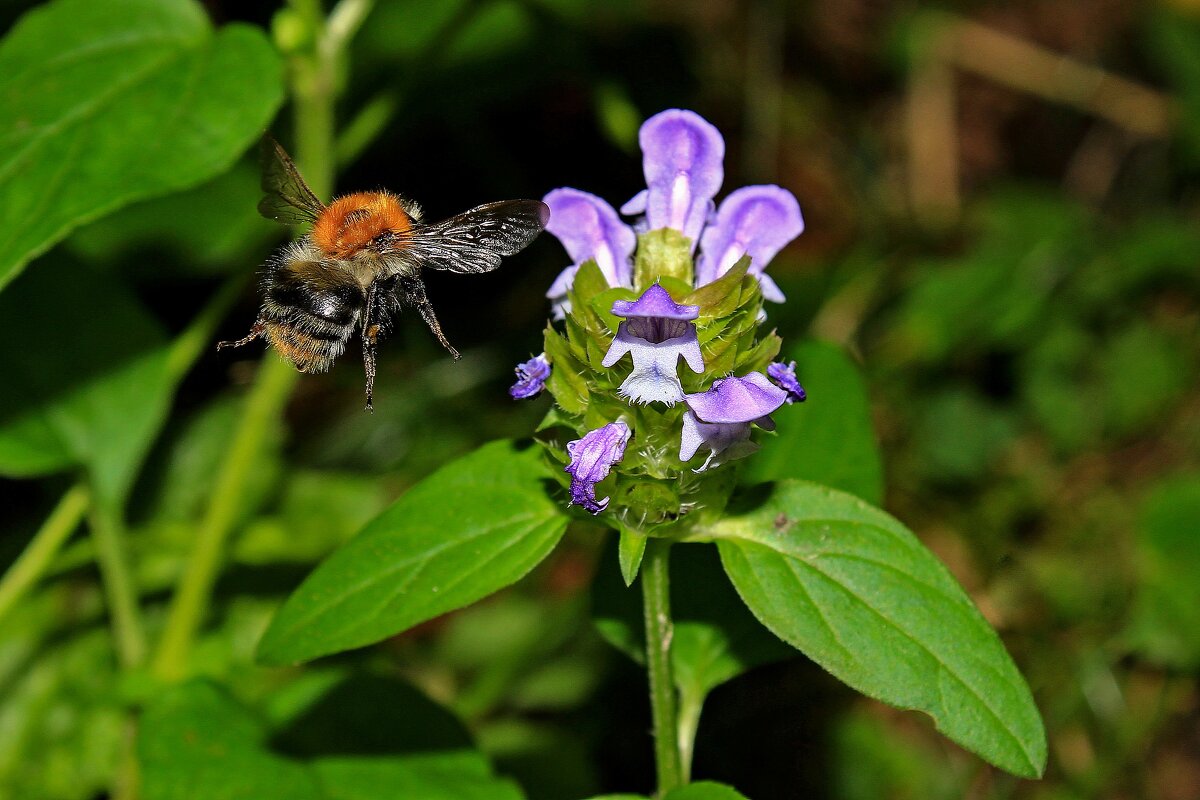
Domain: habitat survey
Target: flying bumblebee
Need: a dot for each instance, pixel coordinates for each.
(361, 262)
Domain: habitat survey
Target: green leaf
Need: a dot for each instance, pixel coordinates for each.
(473, 527)
(1166, 614)
(828, 438)
(855, 591)
(631, 546)
(91, 389)
(704, 790)
(110, 102)
(455, 776)
(194, 741)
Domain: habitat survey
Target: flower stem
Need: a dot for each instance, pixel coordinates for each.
(656, 599)
(108, 532)
(43, 547)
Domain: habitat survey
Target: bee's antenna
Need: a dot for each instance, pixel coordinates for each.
(255, 332)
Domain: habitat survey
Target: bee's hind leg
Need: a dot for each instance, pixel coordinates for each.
(414, 295)
(256, 331)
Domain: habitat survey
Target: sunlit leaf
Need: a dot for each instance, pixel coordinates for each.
(857, 593)
(109, 101)
(475, 526)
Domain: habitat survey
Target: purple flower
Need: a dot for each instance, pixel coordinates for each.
(657, 331)
(531, 378)
(756, 221)
(588, 228)
(720, 418)
(784, 376)
(682, 155)
(591, 458)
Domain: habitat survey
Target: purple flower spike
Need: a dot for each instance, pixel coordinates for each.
(784, 376)
(531, 378)
(720, 418)
(588, 228)
(682, 155)
(657, 331)
(757, 221)
(591, 458)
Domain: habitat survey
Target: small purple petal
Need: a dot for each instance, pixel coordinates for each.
(531, 378)
(636, 204)
(755, 220)
(784, 375)
(588, 228)
(737, 399)
(591, 459)
(654, 302)
(682, 156)
(724, 440)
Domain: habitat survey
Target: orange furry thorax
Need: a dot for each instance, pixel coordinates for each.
(351, 222)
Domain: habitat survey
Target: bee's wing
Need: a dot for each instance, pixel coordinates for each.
(475, 240)
(287, 197)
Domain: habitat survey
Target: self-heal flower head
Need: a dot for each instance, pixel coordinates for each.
(531, 378)
(720, 418)
(683, 161)
(588, 228)
(657, 331)
(757, 221)
(784, 376)
(591, 459)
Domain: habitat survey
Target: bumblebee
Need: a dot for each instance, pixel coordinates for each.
(361, 263)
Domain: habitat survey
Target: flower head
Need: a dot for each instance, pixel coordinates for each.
(531, 378)
(720, 418)
(784, 376)
(682, 158)
(756, 221)
(591, 459)
(657, 331)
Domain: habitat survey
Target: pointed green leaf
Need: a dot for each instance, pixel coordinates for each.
(109, 102)
(631, 546)
(473, 527)
(855, 591)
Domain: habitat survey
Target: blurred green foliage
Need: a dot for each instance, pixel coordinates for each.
(1031, 366)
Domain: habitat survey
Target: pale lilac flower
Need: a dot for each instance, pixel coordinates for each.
(682, 159)
(531, 378)
(720, 418)
(588, 228)
(591, 459)
(784, 376)
(657, 331)
(756, 221)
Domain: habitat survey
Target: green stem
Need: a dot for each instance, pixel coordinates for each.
(33, 562)
(264, 407)
(656, 599)
(108, 532)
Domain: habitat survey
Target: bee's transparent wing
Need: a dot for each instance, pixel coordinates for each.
(287, 197)
(476, 240)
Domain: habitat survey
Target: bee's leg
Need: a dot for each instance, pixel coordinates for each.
(413, 291)
(255, 332)
(370, 334)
